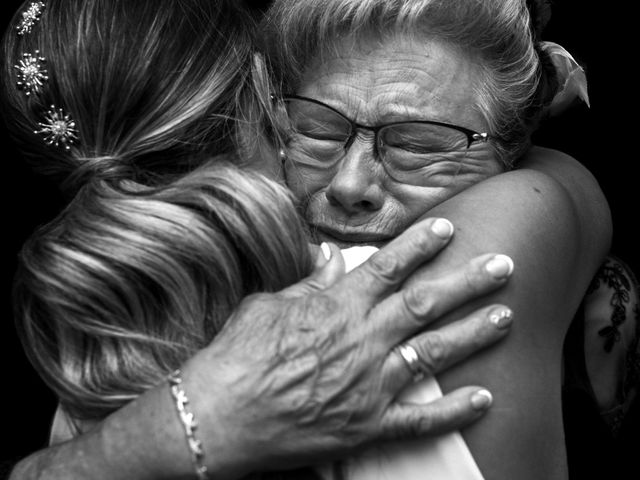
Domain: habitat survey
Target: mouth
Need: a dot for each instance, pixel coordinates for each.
(349, 237)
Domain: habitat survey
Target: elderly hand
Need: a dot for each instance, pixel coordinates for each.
(312, 372)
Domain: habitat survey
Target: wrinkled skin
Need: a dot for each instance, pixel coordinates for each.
(327, 387)
(373, 82)
(279, 389)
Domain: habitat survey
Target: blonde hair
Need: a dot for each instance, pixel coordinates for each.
(166, 230)
(128, 283)
(155, 87)
(499, 34)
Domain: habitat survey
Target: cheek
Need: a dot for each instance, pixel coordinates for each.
(415, 201)
(452, 177)
(306, 181)
(473, 172)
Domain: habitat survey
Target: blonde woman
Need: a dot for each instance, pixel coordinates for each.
(172, 255)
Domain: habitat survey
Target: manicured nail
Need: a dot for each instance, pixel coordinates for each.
(502, 318)
(481, 400)
(442, 228)
(326, 251)
(500, 267)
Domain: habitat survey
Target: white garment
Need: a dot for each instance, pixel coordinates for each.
(61, 428)
(445, 457)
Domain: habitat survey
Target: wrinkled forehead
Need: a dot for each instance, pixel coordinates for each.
(395, 77)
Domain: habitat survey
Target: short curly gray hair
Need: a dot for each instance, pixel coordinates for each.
(498, 34)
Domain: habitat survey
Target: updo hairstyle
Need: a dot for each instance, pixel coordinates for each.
(134, 107)
(502, 36)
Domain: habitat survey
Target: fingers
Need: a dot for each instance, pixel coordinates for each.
(451, 412)
(437, 350)
(329, 268)
(424, 301)
(390, 266)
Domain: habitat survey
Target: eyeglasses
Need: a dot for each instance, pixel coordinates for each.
(320, 136)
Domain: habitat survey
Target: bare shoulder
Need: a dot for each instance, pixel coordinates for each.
(537, 214)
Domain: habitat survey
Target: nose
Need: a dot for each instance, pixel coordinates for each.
(356, 187)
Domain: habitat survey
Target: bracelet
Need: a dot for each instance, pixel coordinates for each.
(190, 425)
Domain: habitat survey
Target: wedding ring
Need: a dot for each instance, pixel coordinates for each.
(414, 363)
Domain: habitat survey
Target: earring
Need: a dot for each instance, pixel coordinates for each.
(282, 155)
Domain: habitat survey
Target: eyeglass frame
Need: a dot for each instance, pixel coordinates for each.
(472, 135)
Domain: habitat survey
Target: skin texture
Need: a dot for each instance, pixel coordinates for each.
(556, 228)
(144, 440)
(401, 79)
(292, 374)
(547, 210)
(273, 399)
(525, 426)
(550, 217)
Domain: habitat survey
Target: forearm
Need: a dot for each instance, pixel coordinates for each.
(556, 227)
(137, 441)
(143, 440)
(265, 392)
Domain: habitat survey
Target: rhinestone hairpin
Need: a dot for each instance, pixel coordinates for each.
(31, 73)
(30, 17)
(58, 129)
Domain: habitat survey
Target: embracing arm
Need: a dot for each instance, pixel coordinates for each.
(144, 439)
(265, 391)
(551, 217)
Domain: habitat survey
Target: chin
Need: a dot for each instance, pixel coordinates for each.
(328, 225)
(342, 243)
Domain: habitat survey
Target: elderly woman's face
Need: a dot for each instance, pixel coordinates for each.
(369, 186)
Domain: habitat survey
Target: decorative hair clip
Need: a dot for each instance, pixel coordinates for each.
(571, 77)
(58, 129)
(31, 73)
(30, 17)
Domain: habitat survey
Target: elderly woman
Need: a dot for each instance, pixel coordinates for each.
(163, 237)
(241, 386)
(393, 107)
(397, 106)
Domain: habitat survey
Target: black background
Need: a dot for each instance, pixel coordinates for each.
(604, 138)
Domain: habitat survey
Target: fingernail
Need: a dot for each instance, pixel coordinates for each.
(442, 228)
(500, 267)
(502, 318)
(326, 251)
(481, 400)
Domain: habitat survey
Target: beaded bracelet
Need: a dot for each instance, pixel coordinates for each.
(190, 425)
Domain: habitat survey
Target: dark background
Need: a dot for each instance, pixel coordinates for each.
(600, 137)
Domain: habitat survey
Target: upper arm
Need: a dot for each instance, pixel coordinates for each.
(551, 218)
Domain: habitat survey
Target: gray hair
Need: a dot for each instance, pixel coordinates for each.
(498, 34)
